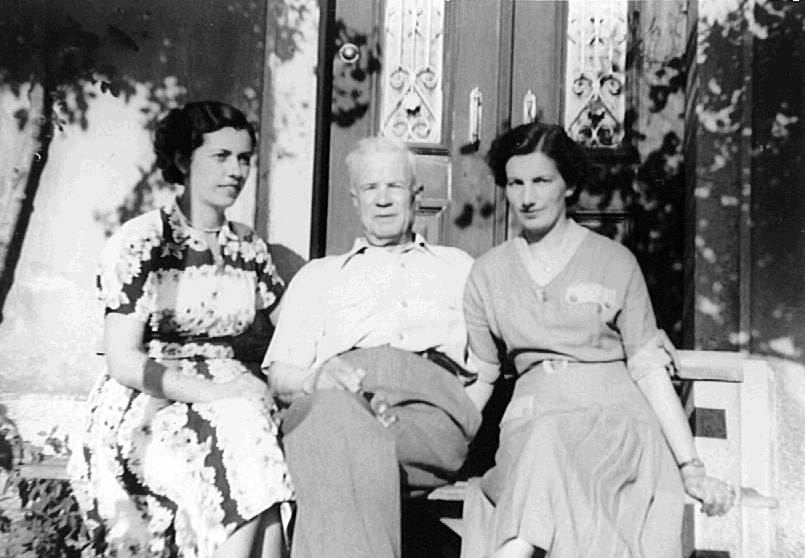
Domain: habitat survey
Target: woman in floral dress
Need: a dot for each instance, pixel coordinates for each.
(180, 456)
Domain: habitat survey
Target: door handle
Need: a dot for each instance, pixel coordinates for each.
(349, 53)
(529, 107)
(476, 116)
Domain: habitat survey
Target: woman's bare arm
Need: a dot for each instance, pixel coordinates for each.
(129, 365)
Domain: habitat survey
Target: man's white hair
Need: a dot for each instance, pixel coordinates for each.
(374, 145)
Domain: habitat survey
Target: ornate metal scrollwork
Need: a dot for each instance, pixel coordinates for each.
(595, 100)
(412, 83)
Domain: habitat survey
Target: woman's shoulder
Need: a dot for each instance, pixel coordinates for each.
(148, 225)
(496, 259)
(608, 250)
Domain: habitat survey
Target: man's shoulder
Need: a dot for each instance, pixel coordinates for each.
(452, 254)
(321, 266)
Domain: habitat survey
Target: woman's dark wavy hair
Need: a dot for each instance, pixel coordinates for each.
(182, 131)
(550, 139)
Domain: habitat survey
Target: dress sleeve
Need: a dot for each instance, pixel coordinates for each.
(125, 281)
(638, 327)
(483, 351)
(270, 286)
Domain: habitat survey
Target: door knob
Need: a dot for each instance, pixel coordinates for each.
(349, 53)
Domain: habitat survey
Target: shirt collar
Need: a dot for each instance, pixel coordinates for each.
(361, 245)
(182, 230)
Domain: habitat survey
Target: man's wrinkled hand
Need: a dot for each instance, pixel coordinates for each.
(336, 374)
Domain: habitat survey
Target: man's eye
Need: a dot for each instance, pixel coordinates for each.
(396, 185)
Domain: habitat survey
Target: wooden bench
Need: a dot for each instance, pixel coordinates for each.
(723, 394)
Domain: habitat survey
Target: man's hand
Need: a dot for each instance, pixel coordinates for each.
(336, 374)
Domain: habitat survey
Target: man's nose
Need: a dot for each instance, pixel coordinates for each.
(383, 197)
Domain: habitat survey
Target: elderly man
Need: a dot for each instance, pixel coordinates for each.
(371, 353)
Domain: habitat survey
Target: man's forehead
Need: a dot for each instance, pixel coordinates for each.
(382, 166)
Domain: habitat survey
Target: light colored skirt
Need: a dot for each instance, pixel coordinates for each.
(582, 471)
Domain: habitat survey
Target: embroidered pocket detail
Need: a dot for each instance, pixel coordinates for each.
(591, 293)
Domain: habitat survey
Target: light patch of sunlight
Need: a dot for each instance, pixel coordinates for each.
(785, 346)
(709, 308)
(739, 337)
(779, 128)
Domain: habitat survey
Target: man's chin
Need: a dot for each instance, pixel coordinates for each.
(387, 238)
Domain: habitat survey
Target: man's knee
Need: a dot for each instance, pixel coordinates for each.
(328, 406)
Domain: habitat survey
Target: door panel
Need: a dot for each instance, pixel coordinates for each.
(459, 205)
(538, 60)
(354, 87)
(483, 28)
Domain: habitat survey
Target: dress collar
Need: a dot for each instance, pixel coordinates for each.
(361, 245)
(182, 230)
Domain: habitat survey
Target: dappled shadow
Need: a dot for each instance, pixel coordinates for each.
(352, 73)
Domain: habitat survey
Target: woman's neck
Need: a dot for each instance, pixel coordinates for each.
(550, 239)
(201, 216)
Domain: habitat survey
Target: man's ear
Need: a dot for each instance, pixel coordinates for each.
(354, 195)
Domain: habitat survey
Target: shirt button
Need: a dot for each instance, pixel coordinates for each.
(401, 336)
(404, 303)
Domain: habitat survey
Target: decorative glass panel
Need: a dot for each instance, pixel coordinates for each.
(411, 101)
(595, 100)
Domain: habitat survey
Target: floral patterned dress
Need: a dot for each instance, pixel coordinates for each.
(160, 478)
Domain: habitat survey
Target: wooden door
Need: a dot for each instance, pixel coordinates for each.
(446, 93)
(488, 64)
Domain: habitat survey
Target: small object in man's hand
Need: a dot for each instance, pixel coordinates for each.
(380, 407)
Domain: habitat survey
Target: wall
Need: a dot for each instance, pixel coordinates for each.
(778, 182)
(788, 457)
(745, 215)
(291, 87)
(100, 172)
